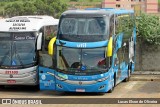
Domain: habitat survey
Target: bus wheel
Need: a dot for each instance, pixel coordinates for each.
(36, 87)
(101, 93)
(2, 86)
(114, 84)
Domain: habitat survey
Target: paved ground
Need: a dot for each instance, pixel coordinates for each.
(145, 77)
(140, 86)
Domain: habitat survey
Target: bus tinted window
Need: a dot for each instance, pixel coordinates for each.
(68, 26)
(83, 29)
(49, 33)
(124, 23)
(93, 60)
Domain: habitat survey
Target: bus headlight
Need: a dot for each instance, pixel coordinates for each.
(102, 79)
(60, 78)
(102, 87)
(50, 73)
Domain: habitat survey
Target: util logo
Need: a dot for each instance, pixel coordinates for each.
(82, 45)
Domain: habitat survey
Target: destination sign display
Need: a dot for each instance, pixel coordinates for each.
(18, 24)
(23, 37)
(18, 20)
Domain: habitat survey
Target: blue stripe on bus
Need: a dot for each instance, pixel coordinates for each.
(86, 77)
(82, 44)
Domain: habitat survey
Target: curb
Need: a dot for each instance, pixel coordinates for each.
(144, 77)
(146, 72)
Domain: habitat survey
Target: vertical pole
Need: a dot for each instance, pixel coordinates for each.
(140, 55)
(114, 24)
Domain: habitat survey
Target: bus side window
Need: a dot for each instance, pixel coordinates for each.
(117, 24)
(45, 60)
(128, 22)
(49, 33)
(123, 24)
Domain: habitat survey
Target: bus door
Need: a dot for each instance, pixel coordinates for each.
(46, 73)
(121, 58)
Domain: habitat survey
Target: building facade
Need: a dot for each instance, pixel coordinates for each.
(148, 6)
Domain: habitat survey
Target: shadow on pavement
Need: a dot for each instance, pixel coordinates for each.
(19, 88)
(78, 94)
(35, 91)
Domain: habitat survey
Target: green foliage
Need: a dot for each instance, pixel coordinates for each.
(148, 27)
(36, 7)
(45, 8)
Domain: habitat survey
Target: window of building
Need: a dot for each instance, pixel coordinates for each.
(118, 5)
(132, 6)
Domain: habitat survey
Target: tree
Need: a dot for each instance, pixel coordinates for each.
(14, 9)
(148, 27)
(40, 7)
(50, 7)
(29, 9)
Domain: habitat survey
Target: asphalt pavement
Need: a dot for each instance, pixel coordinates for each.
(141, 85)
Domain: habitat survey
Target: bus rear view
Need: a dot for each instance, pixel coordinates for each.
(21, 41)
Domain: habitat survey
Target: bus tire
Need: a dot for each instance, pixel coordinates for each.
(36, 87)
(2, 86)
(101, 93)
(111, 90)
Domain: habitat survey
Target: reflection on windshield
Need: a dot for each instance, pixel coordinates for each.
(88, 29)
(5, 52)
(86, 60)
(17, 49)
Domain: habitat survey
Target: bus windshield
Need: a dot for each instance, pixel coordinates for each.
(73, 60)
(17, 49)
(83, 29)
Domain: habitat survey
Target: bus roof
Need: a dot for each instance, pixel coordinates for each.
(119, 11)
(98, 11)
(26, 23)
(87, 12)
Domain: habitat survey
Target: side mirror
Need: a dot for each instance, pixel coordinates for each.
(110, 47)
(39, 42)
(51, 46)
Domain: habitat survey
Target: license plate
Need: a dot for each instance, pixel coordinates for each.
(80, 90)
(47, 84)
(11, 81)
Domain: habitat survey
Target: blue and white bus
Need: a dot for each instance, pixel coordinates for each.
(94, 51)
(22, 41)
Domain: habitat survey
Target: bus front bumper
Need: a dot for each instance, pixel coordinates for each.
(28, 80)
(97, 87)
